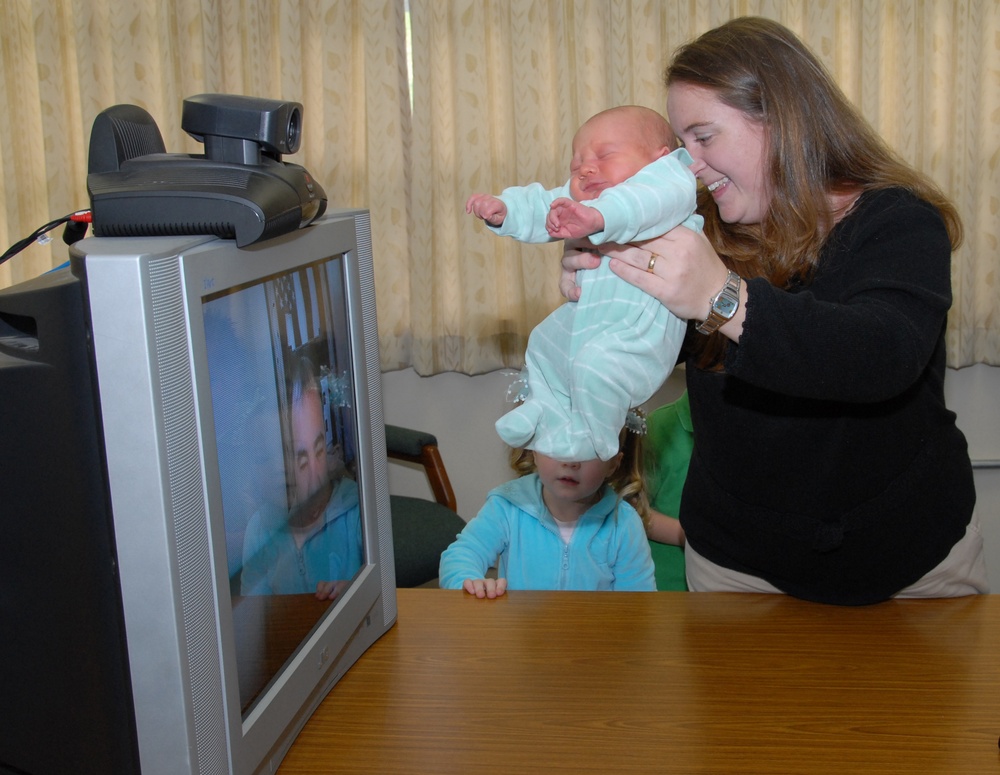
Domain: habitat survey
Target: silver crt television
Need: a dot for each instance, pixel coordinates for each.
(147, 463)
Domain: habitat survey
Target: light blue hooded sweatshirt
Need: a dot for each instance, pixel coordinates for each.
(515, 533)
(274, 565)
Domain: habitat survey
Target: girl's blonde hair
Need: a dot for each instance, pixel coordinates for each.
(627, 480)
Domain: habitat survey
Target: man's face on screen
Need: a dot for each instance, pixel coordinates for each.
(312, 473)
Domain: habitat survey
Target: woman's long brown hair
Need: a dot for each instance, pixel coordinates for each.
(818, 144)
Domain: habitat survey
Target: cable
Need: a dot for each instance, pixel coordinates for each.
(79, 217)
(76, 229)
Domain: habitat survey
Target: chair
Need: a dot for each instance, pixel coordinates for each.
(421, 528)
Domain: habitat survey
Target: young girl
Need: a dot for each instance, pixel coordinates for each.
(558, 526)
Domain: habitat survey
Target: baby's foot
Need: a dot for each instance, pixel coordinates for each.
(519, 424)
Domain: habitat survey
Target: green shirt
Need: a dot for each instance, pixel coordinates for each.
(667, 446)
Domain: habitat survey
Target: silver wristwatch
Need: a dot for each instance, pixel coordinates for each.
(723, 305)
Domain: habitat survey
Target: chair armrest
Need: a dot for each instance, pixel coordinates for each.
(421, 448)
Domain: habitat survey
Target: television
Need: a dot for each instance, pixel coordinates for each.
(150, 487)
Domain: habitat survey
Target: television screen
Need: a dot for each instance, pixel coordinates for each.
(280, 373)
(215, 483)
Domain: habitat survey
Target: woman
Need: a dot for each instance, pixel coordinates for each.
(825, 463)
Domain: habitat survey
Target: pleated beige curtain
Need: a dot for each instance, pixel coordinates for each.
(498, 88)
(64, 61)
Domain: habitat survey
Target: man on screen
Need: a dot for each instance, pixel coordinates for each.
(317, 545)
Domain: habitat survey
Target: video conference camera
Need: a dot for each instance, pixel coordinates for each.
(238, 189)
(240, 130)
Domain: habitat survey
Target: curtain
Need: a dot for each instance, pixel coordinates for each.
(64, 61)
(498, 89)
(501, 85)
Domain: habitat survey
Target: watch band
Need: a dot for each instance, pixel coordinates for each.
(723, 305)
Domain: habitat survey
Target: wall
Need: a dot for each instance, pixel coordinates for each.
(461, 411)
(974, 394)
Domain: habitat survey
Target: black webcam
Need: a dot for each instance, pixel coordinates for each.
(238, 189)
(239, 129)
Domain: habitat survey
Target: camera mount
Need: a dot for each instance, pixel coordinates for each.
(239, 189)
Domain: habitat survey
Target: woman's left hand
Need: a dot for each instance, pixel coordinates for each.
(576, 256)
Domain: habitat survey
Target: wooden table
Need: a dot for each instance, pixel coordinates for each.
(560, 682)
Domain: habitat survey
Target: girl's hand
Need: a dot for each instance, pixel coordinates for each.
(330, 590)
(485, 588)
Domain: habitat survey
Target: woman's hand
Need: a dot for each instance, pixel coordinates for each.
(681, 269)
(576, 255)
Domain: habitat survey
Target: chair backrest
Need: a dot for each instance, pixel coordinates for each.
(421, 529)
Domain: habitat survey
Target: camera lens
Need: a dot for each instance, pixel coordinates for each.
(293, 134)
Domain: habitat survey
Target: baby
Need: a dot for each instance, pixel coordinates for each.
(591, 361)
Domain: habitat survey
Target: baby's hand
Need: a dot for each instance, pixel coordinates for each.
(485, 588)
(487, 207)
(568, 219)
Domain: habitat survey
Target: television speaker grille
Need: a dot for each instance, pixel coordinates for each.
(188, 522)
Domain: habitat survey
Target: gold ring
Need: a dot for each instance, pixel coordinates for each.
(652, 263)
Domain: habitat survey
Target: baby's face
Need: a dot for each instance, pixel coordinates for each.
(607, 150)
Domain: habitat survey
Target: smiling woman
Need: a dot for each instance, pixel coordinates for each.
(728, 149)
(824, 267)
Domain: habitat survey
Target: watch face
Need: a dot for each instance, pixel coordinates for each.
(726, 306)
